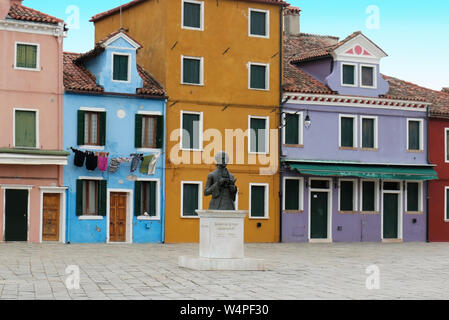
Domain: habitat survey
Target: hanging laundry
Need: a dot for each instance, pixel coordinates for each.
(116, 162)
(135, 161)
(152, 166)
(102, 163)
(146, 163)
(80, 156)
(91, 161)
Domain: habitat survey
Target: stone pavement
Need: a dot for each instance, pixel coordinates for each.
(295, 271)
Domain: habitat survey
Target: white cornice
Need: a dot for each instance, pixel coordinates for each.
(32, 27)
(20, 159)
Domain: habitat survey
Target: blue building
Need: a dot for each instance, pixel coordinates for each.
(114, 124)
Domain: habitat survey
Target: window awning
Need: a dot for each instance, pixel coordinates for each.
(366, 171)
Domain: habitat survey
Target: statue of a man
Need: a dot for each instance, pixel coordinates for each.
(221, 185)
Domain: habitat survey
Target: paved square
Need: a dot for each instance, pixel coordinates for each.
(295, 271)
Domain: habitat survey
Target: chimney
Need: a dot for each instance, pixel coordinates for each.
(292, 20)
(5, 5)
(445, 90)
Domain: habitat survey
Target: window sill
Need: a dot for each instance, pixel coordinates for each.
(293, 146)
(26, 148)
(258, 36)
(90, 218)
(192, 28)
(370, 149)
(348, 212)
(145, 218)
(27, 69)
(258, 153)
(415, 212)
(192, 84)
(257, 89)
(148, 150)
(415, 151)
(369, 212)
(89, 147)
(259, 218)
(349, 148)
(190, 217)
(293, 211)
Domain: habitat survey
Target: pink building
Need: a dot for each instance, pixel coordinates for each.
(32, 197)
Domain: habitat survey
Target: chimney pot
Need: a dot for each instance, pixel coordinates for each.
(445, 90)
(292, 20)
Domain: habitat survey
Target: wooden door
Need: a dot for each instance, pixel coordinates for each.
(391, 216)
(319, 215)
(16, 215)
(117, 212)
(52, 212)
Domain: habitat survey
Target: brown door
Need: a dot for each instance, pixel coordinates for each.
(52, 206)
(117, 211)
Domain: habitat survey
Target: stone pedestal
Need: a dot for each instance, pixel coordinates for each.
(221, 243)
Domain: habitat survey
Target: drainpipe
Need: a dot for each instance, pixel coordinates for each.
(281, 81)
(427, 183)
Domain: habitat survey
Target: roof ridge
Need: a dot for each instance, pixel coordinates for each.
(417, 85)
(35, 11)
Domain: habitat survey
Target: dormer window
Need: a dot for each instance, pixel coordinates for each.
(368, 76)
(349, 75)
(121, 67)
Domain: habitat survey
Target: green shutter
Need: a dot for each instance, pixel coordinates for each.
(121, 64)
(258, 77)
(153, 198)
(138, 131)
(292, 194)
(291, 129)
(191, 71)
(102, 197)
(258, 135)
(26, 56)
(369, 196)
(412, 197)
(258, 23)
(192, 15)
(79, 197)
(25, 129)
(102, 116)
(368, 133)
(190, 136)
(257, 202)
(347, 132)
(160, 130)
(80, 128)
(414, 135)
(138, 198)
(346, 196)
(190, 199)
(348, 75)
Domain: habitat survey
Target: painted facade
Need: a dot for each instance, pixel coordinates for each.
(32, 195)
(221, 97)
(354, 154)
(127, 206)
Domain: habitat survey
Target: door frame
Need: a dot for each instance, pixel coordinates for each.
(62, 211)
(400, 210)
(329, 209)
(129, 214)
(16, 187)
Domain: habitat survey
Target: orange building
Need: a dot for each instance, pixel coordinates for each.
(220, 62)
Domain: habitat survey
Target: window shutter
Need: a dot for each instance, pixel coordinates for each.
(102, 197)
(348, 75)
(412, 197)
(192, 15)
(138, 131)
(191, 71)
(368, 133)
(369, 196)
(25, 129)
(190, 136)
(190, 199)
(160, 130)
(258, 77)
(31, 57)
(138, 198)
(80, 128)
(120, 68)
(153, 198)
(292, 129)
(257, 201)
(258, 135)
(347, 132)
(346, 196)
(79, 197)
(258, 23)
(102, 128)
(291, 195)
(414, 135)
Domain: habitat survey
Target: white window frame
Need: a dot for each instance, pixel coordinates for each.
(201, 59)
(301, 192)
(87, 146)
(36, 111)
(374, 86)
(92, 217)
(201, 28)
(267, 200)
(158, 200)
(300, 125)
(376, 132)
(38, 56)
(420, 197)
(355, 139)
(267, 23)
(200, 129)
(446, 218)
(355, 193)
(376, 196)
(356, 75)
(200, 198)
(421, 134)
(113, 54)
(267, 75)
(446, 155)
(267, 134)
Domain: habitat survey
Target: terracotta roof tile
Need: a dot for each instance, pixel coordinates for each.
(22, 13)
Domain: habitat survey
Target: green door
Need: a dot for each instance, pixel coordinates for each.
(319, 215)
(391, 216)
(16, 215)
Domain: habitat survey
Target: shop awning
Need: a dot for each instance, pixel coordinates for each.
(366, 171)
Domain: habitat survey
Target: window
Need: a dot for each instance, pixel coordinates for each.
(258, 201)
(415, 135)
(369, 133)
(414, 197)
(349, 75)
(320, 184)
(368, 76)
(91, 198)
(25, 131)
(191, 199)
(192, 14)
(447, 144)
(146, 199)
(258, 76)
(91, 128)
(348, 195)
(258, 138)
(348, 132)
(370, 196)
(192, 128)
(293, 129)
(192, 70)
(27, 56)
(121, 67)
(446, 201)
(392, 186)
(293, 194)
(149, 132)
(259, 23)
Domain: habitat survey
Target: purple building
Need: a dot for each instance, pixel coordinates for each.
(354, 149)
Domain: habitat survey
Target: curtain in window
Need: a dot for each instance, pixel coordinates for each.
(368, 133)
(149, 132)
(149, 198)
(258, 77)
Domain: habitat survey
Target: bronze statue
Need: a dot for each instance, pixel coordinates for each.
(221, 185)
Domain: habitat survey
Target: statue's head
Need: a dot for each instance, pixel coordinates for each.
(222, 159)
